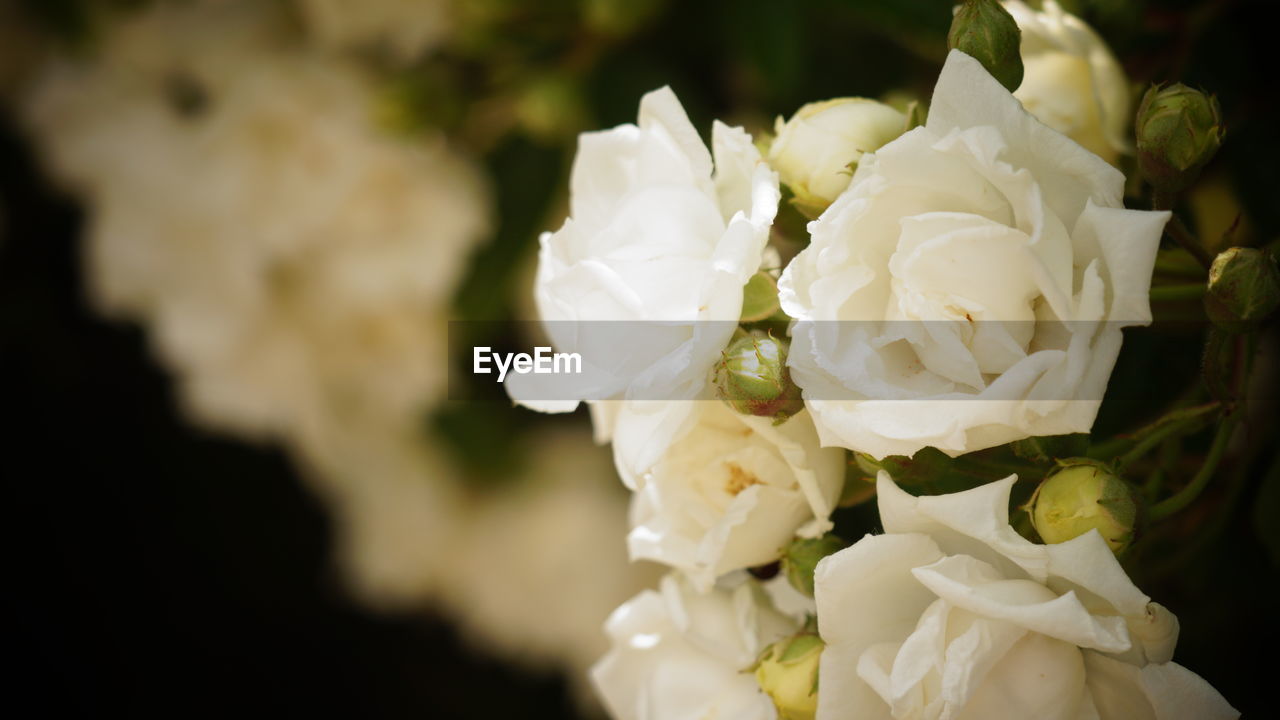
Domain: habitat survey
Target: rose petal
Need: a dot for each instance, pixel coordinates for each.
(1165, 691)
(866, 594)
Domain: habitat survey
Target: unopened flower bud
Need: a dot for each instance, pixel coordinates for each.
(550, 107)
(801, 557)
(760, 298)
(1085, 495)
(1244, 288)
(817, 150)
(1178, 131)
(987, 32)
(788, 673)
(753, 378)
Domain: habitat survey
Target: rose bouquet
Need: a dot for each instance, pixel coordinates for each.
(918, 304)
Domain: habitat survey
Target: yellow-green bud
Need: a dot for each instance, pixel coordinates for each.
(760, 298)
(551, 106)
(788, 673)
(753, 378)
(1244, 288)
(984, 30)
(1178, 131)
(801, 556)
(1084, 495)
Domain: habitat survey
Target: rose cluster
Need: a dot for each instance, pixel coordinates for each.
(963, 284)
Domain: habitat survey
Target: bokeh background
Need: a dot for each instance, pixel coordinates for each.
(232, 234)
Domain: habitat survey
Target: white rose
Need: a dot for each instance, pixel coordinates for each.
(721, 491)
(1071, 81)
(952, 614)
(657, 239)
(983, 259)
(815, 149)
(679, 655)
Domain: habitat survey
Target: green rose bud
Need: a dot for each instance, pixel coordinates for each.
(1244, 288)
(987, 32)
(802, 556)
(1178, 131)
(753, 378)
(788, 673)
(1084, 495)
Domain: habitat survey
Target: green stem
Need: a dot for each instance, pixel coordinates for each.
(1151, 488)
(1187, 495)
(1190, 291)
(1162, 200)
(1212, 367)
(1140, 442)
(1173, 262)
(1184, 238)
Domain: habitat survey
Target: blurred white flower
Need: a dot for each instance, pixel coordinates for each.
(292, 263)
(969, 288)
(408, 28)
(680, 655)
(723, 491)
(952, 614)
(289, 257)
(396, 506)
(816, 151)
(1071, 81)
(653, 235)
(535, 569)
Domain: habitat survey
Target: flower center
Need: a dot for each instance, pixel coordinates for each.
(739, 479)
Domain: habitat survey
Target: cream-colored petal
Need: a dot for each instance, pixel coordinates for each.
(971, 584)
(1164, 691)
(866, 594)
(967, 96)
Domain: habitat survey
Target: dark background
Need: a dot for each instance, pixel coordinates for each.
(152, 569)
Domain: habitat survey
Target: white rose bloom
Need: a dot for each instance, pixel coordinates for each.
(679, 655)
(654, 235)
(814, 150)
(952, 614)
(968, 289)
(724, 492)
(1071, 81)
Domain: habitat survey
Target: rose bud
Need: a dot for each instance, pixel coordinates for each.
(752, 378)
(1085, 495)
(801, 557)
(816, 151)
(985, 31)
(1178, 131)
(1244, 288)
(787, 672)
